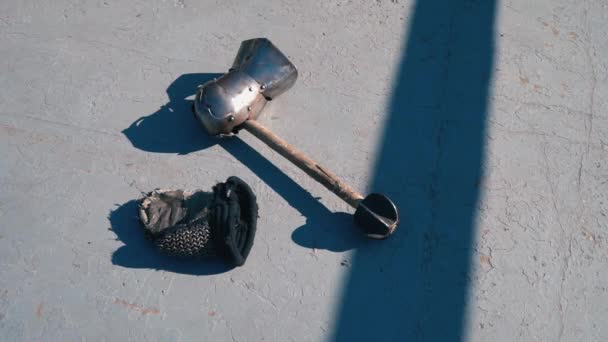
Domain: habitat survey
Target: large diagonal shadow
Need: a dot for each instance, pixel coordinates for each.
(413, 287)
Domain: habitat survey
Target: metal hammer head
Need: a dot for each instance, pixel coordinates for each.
(377, 215)
(260, 72)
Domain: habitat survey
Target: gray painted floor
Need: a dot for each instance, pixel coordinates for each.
(486, 122)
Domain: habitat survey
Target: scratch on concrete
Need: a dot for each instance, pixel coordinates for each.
(138, 308)
(40, 310)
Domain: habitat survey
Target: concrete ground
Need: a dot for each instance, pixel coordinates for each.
(485, 121)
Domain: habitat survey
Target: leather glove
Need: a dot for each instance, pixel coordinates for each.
(220, 223)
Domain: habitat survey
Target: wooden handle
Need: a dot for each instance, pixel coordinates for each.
(312, 168)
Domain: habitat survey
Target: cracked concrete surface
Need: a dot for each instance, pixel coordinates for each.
(76, 74)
